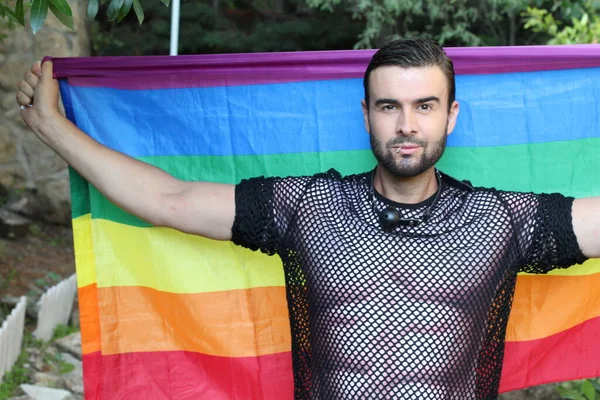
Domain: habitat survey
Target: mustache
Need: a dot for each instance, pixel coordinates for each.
(411, 141)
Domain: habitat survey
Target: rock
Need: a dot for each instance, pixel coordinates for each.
(74, 321)
(43, 162)
(12, 72)
(71, 344)
(30, 205)
(49, 42)
(59, 196)
(47, 380)
(44, 393)
(24, 397)
(73, 380)
(12, 225)
(8, 148)
(18, 42)
(9, 102)
(12, 175)
(39, 364)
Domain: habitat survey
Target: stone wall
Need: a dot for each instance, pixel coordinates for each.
(26, 165)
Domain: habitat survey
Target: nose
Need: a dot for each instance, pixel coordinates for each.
(407, 123)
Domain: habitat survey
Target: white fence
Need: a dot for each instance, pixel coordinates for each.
(11, 336)
(55, 307)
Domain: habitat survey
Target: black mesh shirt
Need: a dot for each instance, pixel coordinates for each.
(415, 313)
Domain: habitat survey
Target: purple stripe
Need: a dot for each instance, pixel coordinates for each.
(154, 72)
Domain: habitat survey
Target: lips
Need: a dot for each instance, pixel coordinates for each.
(406, 149)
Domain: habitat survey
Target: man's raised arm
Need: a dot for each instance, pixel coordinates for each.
(586, 224)
(201, 208)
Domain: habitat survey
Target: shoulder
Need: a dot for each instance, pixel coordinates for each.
(334, 178)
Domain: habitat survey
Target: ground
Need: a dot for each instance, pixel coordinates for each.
(26, 262)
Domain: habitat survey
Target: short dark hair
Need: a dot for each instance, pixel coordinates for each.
(412, 53)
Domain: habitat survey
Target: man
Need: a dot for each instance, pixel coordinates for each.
(399, 280)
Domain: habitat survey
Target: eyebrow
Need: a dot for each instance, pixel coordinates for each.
(427, 100)
(417, 101)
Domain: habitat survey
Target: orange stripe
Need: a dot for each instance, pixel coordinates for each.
(89, 318)
(232, 323)
(545, 305)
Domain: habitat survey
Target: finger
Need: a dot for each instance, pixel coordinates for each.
(26, 88)
(47, 72)
(23, 99)
(31, 79)
(36, 68)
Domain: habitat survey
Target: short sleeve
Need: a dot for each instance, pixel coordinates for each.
(545, 230)
(264, 209)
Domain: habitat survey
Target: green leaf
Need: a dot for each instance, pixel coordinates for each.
(588, 390)
(139, 11)
(569, 394)
(66, 20)
(3, 10)
(62, 6)
(166, 2)
(124, 10)
(38, 14)
(19, 12)
(113, 9)
(92, 9)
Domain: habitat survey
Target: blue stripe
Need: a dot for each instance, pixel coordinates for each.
(496, 110)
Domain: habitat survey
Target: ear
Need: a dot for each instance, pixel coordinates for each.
(452, 117)
(365, 111)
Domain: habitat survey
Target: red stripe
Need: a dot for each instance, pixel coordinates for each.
(568, 355)
(185, 375)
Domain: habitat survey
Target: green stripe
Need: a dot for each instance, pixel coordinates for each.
(80, 194)
(571, 168)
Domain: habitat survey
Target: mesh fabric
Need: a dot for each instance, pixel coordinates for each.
(415, 313)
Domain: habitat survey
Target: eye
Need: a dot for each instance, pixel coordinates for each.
(388, 107)
(425, 107)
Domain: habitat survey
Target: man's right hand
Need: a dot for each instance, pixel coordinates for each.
(38, 95)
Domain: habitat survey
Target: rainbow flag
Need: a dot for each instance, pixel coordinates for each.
(168, 315)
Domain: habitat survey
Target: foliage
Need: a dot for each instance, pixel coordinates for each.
(587, 389)
(38, 11)
(237, 26)
(566, 22)
(456, 22)
(63, 330)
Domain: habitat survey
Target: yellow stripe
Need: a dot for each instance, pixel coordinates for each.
(168, 260)
(84, 250)
(155, 257)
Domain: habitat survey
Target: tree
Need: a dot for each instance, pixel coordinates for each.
(38, 11)
(230, 27)
(455, 22)
(566, 22)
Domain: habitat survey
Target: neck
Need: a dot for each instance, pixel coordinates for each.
(405, 190)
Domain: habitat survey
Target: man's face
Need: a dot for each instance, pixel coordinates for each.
(408, 118)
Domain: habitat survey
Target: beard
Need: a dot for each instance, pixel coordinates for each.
(408, 166)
